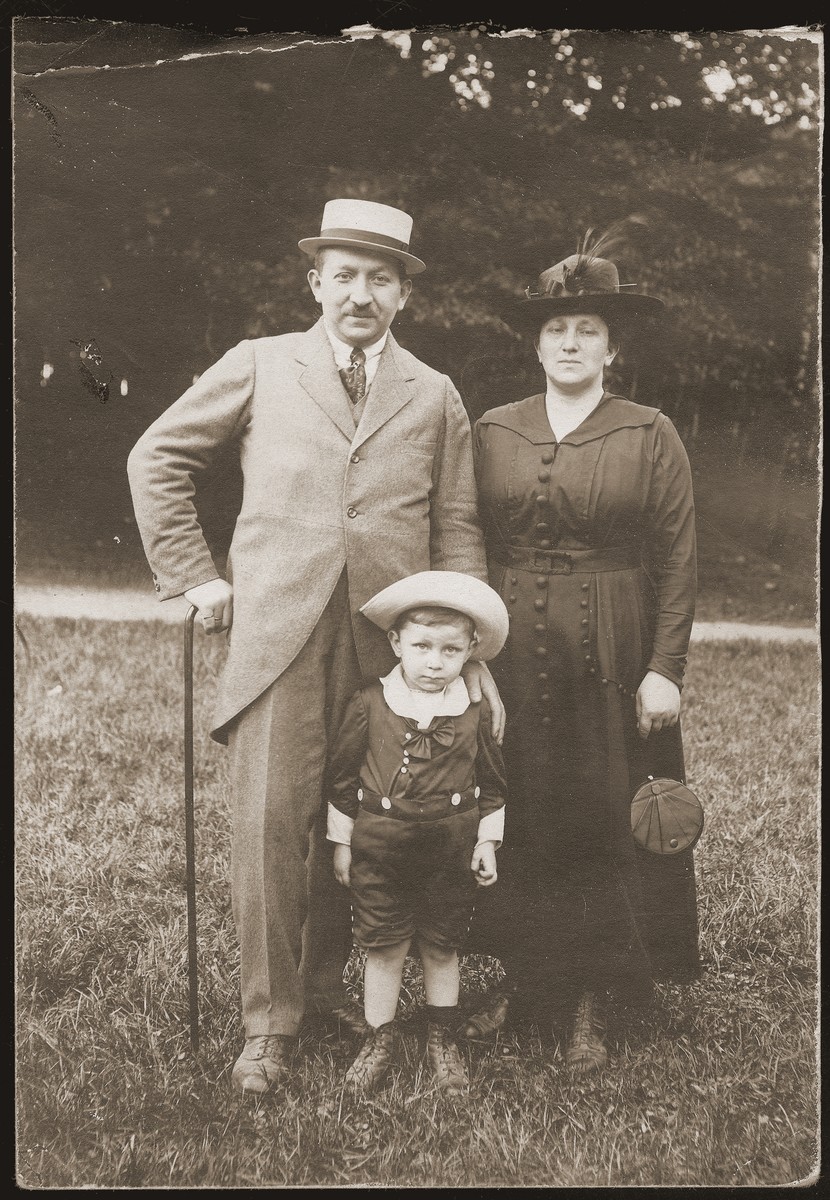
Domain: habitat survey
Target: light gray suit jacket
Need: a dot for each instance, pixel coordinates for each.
(394, 496)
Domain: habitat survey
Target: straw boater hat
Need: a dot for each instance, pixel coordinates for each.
(445, 589)
(365, 225)
(582, 283)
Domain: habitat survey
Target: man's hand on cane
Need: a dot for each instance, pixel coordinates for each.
(214, 601)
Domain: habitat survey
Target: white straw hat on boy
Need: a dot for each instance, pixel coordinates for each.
(445, 589)
(366, 226)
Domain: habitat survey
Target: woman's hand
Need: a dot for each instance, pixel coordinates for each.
(480, 683)
(214, 601)
(483, 865)
(343, 864)
(658, 704)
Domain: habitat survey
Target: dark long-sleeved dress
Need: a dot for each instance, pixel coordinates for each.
(591, 545)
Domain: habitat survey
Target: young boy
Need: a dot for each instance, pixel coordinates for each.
(417, 807)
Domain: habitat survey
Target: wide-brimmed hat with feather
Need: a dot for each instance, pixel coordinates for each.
(584, 282)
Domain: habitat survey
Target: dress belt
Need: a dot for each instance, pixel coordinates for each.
(567, 562)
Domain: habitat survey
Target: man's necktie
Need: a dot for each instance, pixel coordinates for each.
(354, 376)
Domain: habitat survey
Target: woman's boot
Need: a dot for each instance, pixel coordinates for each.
(586, 1046)
(487, 1020)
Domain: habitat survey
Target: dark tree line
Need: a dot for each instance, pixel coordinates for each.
(157, 210)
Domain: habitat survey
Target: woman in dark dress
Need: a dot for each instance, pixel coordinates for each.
(586, 502)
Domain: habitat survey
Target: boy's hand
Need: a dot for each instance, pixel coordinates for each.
(342, 863)
(483, 865)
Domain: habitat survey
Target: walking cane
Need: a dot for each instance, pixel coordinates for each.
(189, 832)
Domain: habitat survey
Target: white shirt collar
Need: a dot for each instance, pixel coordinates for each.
(424, 706)
(343, 351)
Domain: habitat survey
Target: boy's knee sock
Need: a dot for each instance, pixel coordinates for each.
(445, 1015)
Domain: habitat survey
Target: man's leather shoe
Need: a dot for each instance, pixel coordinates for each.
(263, 1062)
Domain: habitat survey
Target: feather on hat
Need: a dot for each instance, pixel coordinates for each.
(585, 282)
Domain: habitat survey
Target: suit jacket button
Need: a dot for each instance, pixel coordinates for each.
(355, 458)
(456, 798)
(351, 512)
(157, 586)
(385, 802)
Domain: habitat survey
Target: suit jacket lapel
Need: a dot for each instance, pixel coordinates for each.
(320, 378)
(391, 389)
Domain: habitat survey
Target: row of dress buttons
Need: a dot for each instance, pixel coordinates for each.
(543, 499)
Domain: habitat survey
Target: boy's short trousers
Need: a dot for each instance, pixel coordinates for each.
(410, 871)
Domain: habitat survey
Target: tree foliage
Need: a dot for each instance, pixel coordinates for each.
(549, 76)
(158, 206)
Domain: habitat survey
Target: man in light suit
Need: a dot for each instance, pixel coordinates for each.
(357, 470)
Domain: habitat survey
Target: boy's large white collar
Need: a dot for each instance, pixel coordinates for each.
(423, 706)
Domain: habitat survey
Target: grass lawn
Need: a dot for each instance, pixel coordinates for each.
(716, 1084)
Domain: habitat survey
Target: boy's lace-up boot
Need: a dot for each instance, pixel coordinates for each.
(370, 1068)
(445, 1061)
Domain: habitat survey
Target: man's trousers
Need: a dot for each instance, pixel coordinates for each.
(293, 919)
